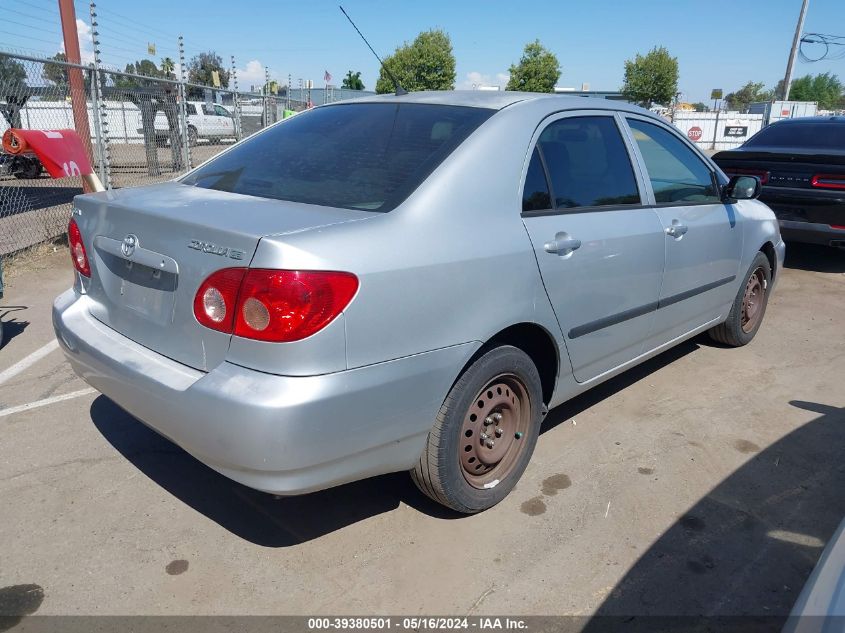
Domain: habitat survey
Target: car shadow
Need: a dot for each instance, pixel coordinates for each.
(747, 547)
(577, 405)
(258, 517)
(815, 258)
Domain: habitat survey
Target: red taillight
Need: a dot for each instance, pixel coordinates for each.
(762, 174)
(77, 249)
(215, 303)
(273, 305)
(828, 181)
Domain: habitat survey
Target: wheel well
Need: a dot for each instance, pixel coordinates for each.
(538, 344)
(769, 251)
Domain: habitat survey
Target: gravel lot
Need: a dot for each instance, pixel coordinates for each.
(703, 482)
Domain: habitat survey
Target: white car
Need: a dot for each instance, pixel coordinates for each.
(205, 121)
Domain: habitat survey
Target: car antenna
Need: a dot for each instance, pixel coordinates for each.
(399, 90)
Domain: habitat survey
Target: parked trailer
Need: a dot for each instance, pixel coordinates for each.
(717, 130)
(776, 110)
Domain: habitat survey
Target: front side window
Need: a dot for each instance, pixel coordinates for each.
(367, 156)
(677, 175)
(588, 163)
(208, 109)
(221, 111)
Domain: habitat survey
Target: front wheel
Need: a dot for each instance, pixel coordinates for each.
(484, 434)
(749, 306)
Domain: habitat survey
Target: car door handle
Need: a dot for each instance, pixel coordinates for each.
(676, 230)
(562, 245)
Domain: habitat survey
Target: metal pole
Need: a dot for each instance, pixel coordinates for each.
(183, 110)
(99, 110)
(77, 82)
(796, 42)
(715, 129)
(287, 96)
(235, 104)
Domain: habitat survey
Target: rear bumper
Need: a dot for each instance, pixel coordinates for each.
(280, 434)
(811, 233)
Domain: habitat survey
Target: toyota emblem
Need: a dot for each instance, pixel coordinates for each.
(128, 246)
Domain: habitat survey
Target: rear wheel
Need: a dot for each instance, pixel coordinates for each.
(749, 306)
(484, 434)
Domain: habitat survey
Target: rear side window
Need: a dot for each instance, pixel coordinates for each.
(535, 194)
(677, 175)
(368, 156)
(190, 108)
(808, 135)
(588, 163)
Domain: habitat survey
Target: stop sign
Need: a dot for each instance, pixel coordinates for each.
(694, 134)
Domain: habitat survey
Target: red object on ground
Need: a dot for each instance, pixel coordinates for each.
(695, 133)
(60, 151)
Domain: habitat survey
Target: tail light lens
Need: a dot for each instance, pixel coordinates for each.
(215, 303)
(77, 249)
(828, 181)
(273, 305)
(762, 174)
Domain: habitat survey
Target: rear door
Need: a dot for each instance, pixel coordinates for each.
(703, 239)
(227, 123)
(599, 248)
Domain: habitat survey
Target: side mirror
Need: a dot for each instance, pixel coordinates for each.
(742, 188)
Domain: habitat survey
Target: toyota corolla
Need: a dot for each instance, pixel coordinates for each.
(408, 283)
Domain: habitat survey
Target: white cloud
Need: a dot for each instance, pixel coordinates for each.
(251, 75)
(474, 79)
(86, 45)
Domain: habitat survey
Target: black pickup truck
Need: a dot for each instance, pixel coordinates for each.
(801, 165)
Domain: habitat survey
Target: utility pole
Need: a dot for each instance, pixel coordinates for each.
(78, 100)
(796, 43)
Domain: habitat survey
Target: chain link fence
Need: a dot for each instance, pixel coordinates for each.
(142, 130)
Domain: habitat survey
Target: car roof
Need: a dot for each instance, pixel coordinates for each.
(835, 119)
(498, 99)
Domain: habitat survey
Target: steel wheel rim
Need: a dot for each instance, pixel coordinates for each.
(753, 300)
(494, 431)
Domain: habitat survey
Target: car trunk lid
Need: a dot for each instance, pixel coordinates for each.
(151, 248)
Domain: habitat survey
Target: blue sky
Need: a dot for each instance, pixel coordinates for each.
(719, 43)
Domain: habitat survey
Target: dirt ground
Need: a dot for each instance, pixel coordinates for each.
(705, 481)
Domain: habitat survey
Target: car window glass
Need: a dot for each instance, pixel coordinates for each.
(208, 109)
(367, 156)
(588, 163)
(190, 109)
(220, 110)
(535, 194)
(676, 173)
(805, 134)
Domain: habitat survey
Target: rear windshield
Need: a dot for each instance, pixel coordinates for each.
(368, 156)
(820, 135)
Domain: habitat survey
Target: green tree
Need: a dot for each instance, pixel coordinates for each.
(651, 78)
(701, 107)
(825, 89)
(748, 94)
(12, 73)
(201, 66)
(167, 68)
(352, 81)
(427, 63)
(56, 74)
(537, 70)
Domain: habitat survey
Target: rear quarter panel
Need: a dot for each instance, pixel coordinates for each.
(452, 264)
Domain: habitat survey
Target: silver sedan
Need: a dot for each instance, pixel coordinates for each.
(408, 283)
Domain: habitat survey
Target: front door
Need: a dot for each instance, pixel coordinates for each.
(600, 250)
(703, 239)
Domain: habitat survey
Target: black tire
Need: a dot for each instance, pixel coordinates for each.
(31, 168)
(441, 472)
(192, 136)
(738, 330)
